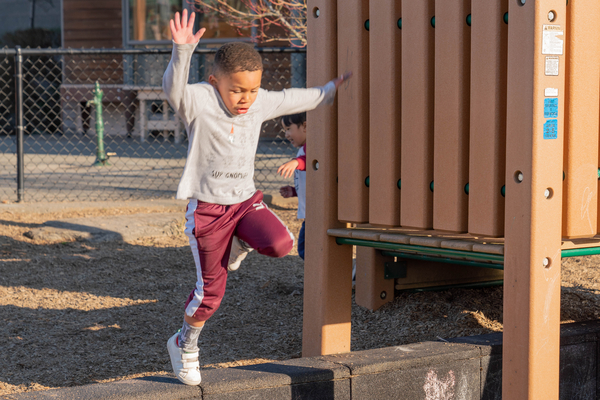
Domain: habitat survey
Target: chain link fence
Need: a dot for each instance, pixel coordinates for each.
(50, 149)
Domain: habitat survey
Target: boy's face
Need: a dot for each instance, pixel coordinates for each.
(238, 90)
(296, 134)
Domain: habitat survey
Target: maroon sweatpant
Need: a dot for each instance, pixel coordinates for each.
(210, 228)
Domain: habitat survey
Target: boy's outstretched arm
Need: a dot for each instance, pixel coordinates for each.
(176, 76)
(294, 101)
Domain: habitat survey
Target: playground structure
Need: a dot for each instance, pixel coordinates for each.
(467, 138)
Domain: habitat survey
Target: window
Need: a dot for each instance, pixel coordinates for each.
(148, 22)
(149, 19)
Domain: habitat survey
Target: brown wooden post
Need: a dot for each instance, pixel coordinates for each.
(328, 267)
(384, 122)
(372, 289)
(353, 111)
(534, 146)
(580, 196)
(451, 122)
(487, 149)
(416, 205)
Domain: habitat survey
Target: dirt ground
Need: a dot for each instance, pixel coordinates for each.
(74, 313)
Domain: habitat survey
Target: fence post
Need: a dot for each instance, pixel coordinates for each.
(19, 124)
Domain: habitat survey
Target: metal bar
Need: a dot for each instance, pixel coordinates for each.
(459, 286)
(441, 260)
(586, 251)
(436, 251)
(41, 52)
(19, 124)
(493, 258)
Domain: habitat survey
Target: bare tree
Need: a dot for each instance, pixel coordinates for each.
(270, 21)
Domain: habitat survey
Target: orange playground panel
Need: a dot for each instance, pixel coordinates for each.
(464, 151)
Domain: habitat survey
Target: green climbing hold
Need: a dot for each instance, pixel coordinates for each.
(469, 19)
(467, 188)
(399, 183)
(433, 21)
(367, 181)
(503, 191)
(506, 17)
(367, 24)
(400, 23)
(431, 186)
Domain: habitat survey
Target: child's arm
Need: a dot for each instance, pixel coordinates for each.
(298, 163)
(287, 169)
(294, 101)
(176, 76)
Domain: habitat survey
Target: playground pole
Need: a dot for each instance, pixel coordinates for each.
(19, 125)
(532, 247)
(101, 157)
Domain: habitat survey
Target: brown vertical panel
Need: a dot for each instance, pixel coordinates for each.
(372, 289)
(328, 267)
(580, 202)
(416, 204)
(533, 219)
(451, 121)
(384, 122)
(353, 111)
(487, 134)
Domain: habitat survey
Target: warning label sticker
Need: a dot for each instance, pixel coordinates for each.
(552, 66)
(551, 129)
(551, 108)
(552, 42)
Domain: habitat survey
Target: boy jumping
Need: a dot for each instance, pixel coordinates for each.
(226, 217)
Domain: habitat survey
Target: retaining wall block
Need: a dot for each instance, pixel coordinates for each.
(428, 370)
(146, 388)
(301, 378)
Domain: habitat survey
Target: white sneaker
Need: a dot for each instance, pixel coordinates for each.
(239, 251)
(185, 365)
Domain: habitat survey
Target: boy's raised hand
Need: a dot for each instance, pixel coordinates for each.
(182, 30)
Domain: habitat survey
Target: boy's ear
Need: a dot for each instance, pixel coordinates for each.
(304, 124)
(213, 80)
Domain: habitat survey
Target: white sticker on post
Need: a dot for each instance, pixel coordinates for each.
(551, 66)
(552, 43)
(551, 92)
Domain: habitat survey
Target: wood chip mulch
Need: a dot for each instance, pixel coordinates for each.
(75, 313)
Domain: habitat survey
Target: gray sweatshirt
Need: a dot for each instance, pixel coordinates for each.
(220, 160)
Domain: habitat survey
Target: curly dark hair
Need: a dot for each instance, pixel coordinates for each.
(236, 57)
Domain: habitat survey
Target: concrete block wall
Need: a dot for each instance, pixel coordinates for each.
(467, 368)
